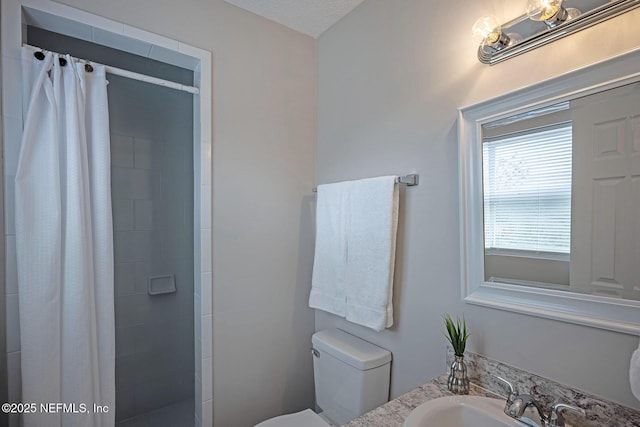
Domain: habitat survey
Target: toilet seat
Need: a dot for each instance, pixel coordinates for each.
(306, 418)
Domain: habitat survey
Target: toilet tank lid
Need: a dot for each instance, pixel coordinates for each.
(350, 349)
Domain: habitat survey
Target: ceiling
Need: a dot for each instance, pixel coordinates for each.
(311, 17)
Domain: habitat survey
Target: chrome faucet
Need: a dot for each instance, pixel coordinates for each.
(555, 416)
(517, 404)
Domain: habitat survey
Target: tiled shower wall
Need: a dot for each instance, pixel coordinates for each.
(154, 333)
(152, 182)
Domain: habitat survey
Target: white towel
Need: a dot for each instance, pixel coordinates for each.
(634, 373)
(329, 262)
(372, 223)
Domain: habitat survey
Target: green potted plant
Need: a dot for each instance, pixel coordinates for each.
(457, 335)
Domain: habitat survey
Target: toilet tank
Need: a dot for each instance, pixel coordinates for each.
(351, 375)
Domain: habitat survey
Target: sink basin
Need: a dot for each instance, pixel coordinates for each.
(461, 411)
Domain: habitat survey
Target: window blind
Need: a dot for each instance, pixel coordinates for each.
(527, 190)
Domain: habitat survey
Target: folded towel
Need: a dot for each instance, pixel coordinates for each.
(329, 262)
(634, 373)
(372, 223)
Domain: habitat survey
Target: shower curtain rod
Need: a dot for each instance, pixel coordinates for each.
(130, 74)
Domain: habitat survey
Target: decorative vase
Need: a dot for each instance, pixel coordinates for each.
(458, 382)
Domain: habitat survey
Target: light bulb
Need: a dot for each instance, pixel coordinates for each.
(486, 30)
(543, 10)
(551, 12)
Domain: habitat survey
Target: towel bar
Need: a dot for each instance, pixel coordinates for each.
(410, 180)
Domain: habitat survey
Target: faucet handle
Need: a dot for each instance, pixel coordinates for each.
(555, 416)
(513, 391)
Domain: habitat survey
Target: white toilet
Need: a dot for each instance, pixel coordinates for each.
(351, 378)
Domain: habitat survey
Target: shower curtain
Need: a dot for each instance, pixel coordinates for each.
(65, 245)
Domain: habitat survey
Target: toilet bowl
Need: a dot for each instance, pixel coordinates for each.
(306, 418)
(351, 377)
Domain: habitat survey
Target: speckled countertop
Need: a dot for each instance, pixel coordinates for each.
(600, 413)
(393, 413)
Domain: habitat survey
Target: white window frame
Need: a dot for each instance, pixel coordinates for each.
(596, 311)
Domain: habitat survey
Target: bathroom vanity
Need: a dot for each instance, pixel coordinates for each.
(600, 413)
(393, 413)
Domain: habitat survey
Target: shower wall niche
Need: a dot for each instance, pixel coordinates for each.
(153, 209)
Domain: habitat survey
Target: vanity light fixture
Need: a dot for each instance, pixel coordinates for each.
(543, 22)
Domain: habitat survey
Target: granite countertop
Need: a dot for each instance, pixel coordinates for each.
(393, 413)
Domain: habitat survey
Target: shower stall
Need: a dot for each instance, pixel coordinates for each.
(160, 191)
(152, 182)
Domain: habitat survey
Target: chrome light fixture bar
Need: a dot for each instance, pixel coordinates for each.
(544, 21)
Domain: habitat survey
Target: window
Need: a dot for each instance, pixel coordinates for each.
(527, 191)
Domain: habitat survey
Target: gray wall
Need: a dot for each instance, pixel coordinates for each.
(264, 78)
(391, 77)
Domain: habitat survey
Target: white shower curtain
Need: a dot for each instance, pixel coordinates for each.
(65, 245)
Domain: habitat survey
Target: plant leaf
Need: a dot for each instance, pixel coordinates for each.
(457, 333)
